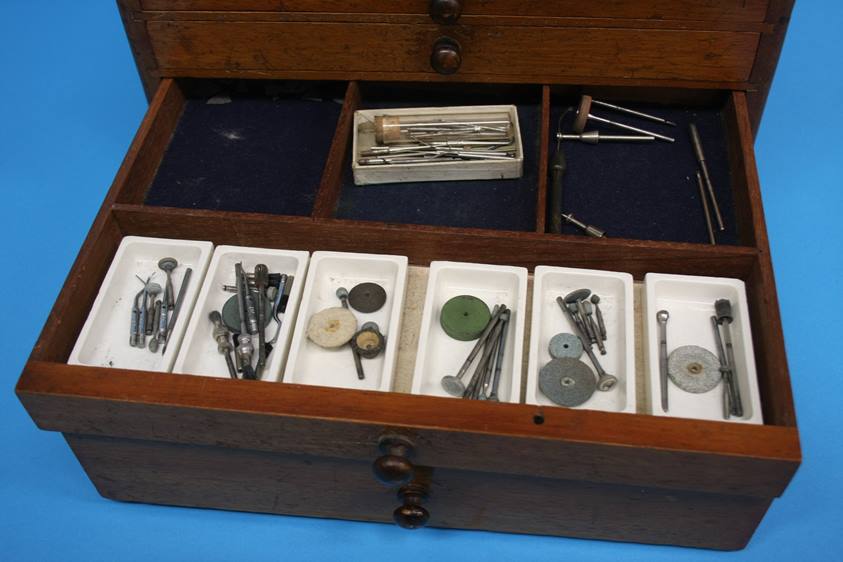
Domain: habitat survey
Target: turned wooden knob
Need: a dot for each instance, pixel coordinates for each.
(446, 12)
(446, 57)
(411, 515)
(394, 467)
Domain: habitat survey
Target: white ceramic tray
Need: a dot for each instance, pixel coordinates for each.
(690, 302)
(439, 354)
(328, 271)
(198, 355)
(616, 304)
(104, 340)
(434, 171)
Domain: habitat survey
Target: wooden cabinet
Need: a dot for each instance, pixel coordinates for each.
(285, 448)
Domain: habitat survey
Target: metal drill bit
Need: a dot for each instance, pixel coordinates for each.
(177, 308)
(584, 114)
(594, 137)
(698, 151)
(706, 210)
(592, 231)
(633, 112)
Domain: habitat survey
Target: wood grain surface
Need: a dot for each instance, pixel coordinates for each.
(547, 54)
(130, 470)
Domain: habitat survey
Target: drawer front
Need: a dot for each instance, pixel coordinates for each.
(358, 50)
(144, 471)
(721, 10)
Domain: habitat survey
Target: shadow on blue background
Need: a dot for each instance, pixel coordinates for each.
(71, 101)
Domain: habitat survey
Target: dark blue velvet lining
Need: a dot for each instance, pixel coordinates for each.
(258, 153)
(647, 191)
(495, 204)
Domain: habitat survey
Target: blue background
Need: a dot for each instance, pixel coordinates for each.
(70, 101)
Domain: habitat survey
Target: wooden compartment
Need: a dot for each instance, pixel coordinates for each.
(144, 436)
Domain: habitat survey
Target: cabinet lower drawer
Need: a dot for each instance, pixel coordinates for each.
(184, 48)
(150, 472)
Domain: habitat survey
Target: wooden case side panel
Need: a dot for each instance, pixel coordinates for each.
(212, 477)
(767, 333)
(575, 444)
(83, 281)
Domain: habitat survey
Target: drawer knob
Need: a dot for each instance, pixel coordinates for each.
(394, 466)
(445, 12)
(446, 57)
(411, 515)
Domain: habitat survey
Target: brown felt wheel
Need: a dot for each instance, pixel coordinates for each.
(332, 327)
(582, 114)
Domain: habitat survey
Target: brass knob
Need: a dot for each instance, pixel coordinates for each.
(445, 12)
(394, 467)
(411, 514)
(446, 56)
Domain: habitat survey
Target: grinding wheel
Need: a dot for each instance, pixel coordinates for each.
(332, 327)
(694, 369)
(231, 314)
(367, 297)
(565, 345)
(582, 114)
(567, 381)
(464, 317)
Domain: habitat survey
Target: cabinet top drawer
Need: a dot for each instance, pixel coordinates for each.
(717, 10)
(508, 53)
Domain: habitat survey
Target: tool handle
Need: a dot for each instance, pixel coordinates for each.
(133, 327)
(695, 141)
(663, 365)
(557, 172)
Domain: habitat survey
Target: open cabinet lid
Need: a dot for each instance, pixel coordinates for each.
(724, 44)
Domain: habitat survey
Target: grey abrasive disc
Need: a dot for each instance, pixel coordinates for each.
(567, 381)
(565, 345)
(694, 369)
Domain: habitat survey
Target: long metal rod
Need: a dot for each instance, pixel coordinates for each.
(630, 128)
(706, 210)
(698, 151)
(633, 112)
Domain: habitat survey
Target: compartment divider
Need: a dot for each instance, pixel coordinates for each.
(423, 244)
(544, 140)
(154, 136)
(330, 186)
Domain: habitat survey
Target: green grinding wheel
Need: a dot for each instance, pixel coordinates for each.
(464, 317)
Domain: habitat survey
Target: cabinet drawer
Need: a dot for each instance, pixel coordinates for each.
(350, 50)
(728, 10)
(151, 472)
(187, 440)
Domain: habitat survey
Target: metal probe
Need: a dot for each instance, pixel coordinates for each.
(698, 150)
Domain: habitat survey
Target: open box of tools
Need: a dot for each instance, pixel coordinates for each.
(235, 153)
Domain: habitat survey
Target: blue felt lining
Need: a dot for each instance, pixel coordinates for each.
(259, 153)
(647, 191)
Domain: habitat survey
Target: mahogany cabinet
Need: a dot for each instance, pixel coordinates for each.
(306, 450)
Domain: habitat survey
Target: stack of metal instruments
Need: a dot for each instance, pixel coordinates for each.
(695, 369)
(240, 328)
(491, 348)
(422, 139)
(566, 380)
(156, 317)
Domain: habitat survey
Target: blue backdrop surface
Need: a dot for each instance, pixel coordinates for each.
(70, 101)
